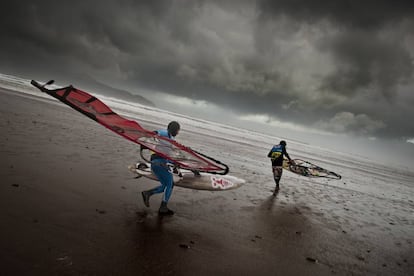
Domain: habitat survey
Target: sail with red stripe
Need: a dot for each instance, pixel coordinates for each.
(98, 111)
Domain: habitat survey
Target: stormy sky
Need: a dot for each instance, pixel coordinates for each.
(343, 67)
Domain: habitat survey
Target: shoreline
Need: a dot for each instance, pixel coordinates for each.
(70, 206)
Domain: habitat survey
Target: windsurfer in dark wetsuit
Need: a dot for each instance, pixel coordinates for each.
(276, 154)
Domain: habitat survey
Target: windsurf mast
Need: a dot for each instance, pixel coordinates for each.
(96, 110)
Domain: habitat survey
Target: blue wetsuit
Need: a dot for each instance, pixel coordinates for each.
(159, 167)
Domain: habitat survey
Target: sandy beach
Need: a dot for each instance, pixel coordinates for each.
(69, 206)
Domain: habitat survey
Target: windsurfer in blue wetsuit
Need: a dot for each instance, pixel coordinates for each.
(160, 167)
(276, 155)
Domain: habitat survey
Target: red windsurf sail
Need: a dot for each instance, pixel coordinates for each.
(95, 109)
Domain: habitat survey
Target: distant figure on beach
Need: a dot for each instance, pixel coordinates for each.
(160, 167)
(276, 155)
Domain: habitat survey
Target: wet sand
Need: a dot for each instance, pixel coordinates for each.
(69, 206)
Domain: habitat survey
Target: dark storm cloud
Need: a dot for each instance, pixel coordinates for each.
(366, 61)
(369, 14)
(370, 44)
(341, 66)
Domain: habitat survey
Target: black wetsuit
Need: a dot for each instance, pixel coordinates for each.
(276, 154)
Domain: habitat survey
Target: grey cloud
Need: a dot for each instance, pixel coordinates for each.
(369, 14)
(299, 61)
(347, 122)
(366, 62)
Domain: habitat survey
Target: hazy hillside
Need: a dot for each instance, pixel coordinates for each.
(89, 84)
(82, 82)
